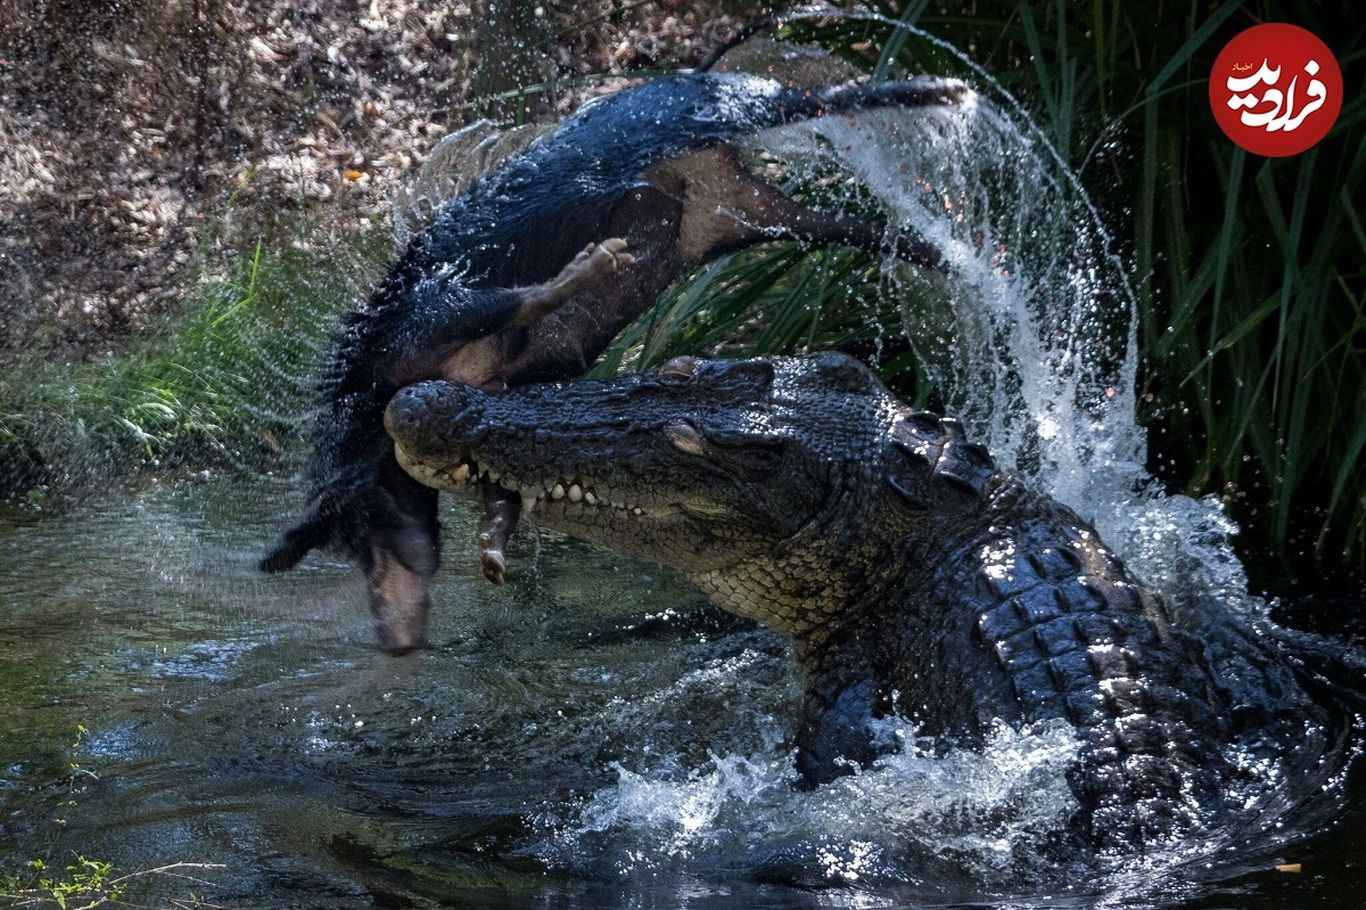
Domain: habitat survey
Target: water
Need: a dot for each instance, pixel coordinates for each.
(593, 733)
(1031, 334)
(590, 734)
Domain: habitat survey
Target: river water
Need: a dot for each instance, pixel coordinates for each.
(590, 734)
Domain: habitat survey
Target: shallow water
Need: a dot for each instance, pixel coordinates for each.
(590, 734)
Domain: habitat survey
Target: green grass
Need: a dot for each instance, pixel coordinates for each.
(225, 380)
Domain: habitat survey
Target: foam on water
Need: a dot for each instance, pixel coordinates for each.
(989, 811)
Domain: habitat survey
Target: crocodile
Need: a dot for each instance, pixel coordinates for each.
(915, 576)
(532, 272)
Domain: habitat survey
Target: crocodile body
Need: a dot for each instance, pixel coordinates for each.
(509, 284)
(915, 576)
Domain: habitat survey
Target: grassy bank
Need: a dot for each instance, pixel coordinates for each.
(226, 379)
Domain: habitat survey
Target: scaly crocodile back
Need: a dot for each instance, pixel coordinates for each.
(1036, 619)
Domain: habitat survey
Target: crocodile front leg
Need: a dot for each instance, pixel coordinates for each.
(837, 731)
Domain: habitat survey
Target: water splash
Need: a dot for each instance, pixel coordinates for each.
(987, 812)
(1030, 332)
(1027, 333)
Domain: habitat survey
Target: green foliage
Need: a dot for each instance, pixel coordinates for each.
(84, 883)
(1250, 270)
(223, 380)
(762, 301)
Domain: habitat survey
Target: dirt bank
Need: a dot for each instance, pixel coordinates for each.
(128, 128)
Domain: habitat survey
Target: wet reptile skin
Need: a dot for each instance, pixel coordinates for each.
(914, 575)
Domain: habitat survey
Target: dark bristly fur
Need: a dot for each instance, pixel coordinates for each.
(651, 165)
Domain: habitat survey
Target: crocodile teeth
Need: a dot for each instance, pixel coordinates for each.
(553, 490)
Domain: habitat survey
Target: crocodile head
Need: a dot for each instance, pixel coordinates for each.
(778, 485)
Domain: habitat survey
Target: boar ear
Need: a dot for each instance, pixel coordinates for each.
(842, 373)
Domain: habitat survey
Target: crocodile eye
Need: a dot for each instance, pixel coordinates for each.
(755, 452)
(685, 437)
(678, 369)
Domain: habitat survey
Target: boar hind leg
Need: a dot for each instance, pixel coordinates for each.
(465, 335)
(488, 362)
(727, 208)
(596, 263)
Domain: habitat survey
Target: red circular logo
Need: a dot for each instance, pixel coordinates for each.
(1276, 89)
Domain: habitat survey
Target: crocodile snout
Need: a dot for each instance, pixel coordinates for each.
(428, 417)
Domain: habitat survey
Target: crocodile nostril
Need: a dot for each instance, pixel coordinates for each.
(405, 412)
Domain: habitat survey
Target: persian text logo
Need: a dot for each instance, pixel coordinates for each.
(1276, 89)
